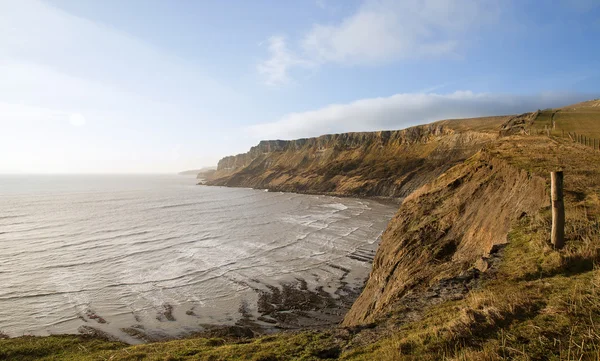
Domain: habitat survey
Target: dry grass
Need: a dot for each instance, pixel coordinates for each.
(483, 124)
(543, 304)
(582, 118)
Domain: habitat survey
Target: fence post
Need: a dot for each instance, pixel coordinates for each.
(558, 210)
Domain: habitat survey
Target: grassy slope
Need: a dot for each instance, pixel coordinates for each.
(542, 305)
(582, 118)
(444, 228)
(483, 124)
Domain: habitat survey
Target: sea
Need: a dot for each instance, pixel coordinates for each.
(163, 254)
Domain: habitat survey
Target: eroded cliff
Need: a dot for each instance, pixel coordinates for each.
(385, 164)
(445, 228)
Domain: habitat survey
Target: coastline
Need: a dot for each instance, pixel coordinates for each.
(292, 307)
(391, 201)
(293, 304)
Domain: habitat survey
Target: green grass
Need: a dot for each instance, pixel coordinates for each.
(300, 346)
(55, 348)
(543, 304)
(538, 308)
(585, 122)
(581, 118)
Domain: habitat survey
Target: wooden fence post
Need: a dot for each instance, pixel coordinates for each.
(558, 210)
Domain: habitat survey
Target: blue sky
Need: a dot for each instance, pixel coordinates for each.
(90, 86)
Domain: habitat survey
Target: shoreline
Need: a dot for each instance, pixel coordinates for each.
(289, 304)
(395, 201)
(291, 307)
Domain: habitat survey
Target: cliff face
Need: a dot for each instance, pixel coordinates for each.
(461, 197)
(445, 228)
(386, 163)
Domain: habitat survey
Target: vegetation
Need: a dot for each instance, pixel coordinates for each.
(382, 164)
(536, 303)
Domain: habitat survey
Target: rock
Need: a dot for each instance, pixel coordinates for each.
(229, 331)
(481, 264)
(94, 332)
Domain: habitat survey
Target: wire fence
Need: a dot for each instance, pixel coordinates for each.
(585, 140)
(573, 136)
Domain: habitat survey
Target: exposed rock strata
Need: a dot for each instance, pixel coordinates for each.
(373, 164)
(444, 229)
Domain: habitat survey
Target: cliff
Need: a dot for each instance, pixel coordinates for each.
(464, 271)
(371, 164)
(445, 228)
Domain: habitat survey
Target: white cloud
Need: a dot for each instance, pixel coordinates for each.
(404, 110)
(77, 120)
(276, 68)
(59, 71)
(22, 113)
(383, 31)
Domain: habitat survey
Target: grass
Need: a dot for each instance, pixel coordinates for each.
(538, 308)
(583, 118)
(542, 304)
(300, 346)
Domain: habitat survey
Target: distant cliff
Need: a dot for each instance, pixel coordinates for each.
(372, 164)
(200, 173)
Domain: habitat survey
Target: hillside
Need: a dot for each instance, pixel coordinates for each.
(193, 172)
(199, 172)
(464, 270)
(370, 164)
(445, 228)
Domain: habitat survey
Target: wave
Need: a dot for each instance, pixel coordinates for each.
(338, 206)
(13, 216)
(200, 246)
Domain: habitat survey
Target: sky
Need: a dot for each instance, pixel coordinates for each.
(154, 86)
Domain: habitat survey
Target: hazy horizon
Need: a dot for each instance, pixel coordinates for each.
(154, 87)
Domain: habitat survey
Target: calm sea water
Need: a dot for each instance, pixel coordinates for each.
(74, 249)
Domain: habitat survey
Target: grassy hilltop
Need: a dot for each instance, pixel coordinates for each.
(465, 270)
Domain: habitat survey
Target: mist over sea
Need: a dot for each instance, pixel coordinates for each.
(163, 254)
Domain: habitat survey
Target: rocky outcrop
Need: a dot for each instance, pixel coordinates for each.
(519, 124)
(329, 141)
(370, 164)
(445, 228)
